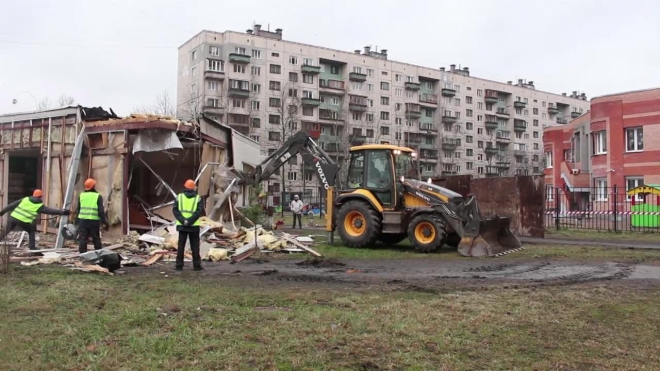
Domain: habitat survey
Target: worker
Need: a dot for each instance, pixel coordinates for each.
(296, 208)
(90, 216)
(187, 210)
(24, 213)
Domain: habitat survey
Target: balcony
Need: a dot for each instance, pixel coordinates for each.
(427, 126)
(519, 104)
(357, 103)
(449, 144)
(448, 92)
(214, 75)
(492, 171)
(561, 120)
(334, 86)
(213, 110)
(309, 69)
(519, 125)
(239, 58)
(428, 99)
(413, 111)
(575, 114)
(520, 153)
(502, 112)
(238, 92)
(357, 107)
(429, 155)
(553, 110)
(413, 86)
(491, 122)
(501, 136)
(326, 114)
(449, 119)
(332, 148)
(428, 174)
(356, 76)
(311, 102)
(491, 97)
(491, 150)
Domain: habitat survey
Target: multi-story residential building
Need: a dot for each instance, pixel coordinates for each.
(615, 144)
(269, 88)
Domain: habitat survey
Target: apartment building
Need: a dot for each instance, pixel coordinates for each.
(269, 88)
(615, 144)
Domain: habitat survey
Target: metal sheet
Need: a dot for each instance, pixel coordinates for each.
(153, 140)
(73, 174)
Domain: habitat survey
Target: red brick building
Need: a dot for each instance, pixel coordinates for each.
(617, 144)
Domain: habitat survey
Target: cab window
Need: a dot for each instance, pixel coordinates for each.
(379, 170)
(356, 170)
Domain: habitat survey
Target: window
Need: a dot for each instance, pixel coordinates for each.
(480, 105)
(480, 118)
(238, 103)
(274, 102)
(398, 92)
(601, 189)
(384, 73)
(385, 130)
(239, 68)
(370, 72)
(308, 111)
(293, 77)
(256, 71)
(469, 165)
(398, 77)
(370, 87)
(215, 65)
(357, 116)
(292, 175)
(239, 50)
(256, 54)
(370, 133)
(256, 122)
(457, 102)
(600, 142)
(526, 112)
(274, 119)
(410, 94)
(535, 158)
(398, 135)
(274, 135)
(370, 102)
(193, 55)
(469, 152)
(275, 85)
(293, 60)
(480, 157)
(480, 92)
(256, 88)
(397, 106)
(334, 101)
(275, 68)
(384, 85)
(308, 62)
(518, 111)
(634, 140)
(357, 86)
(254, 137)
(535, 111)
(543, 116)
(632, 183)
(384, 115)
(526, 136)
(255, 105)
(480, 131)
(536, 146)
(193, 71)
(384, 101)
(308, 94)
(334, 70)
(536, 134)
(308, 79)
(535, 122)
(275, 54)
(447, 100)
(212, 102)
(355, 177)
(468, 113)
(549, 192)
(469, 139)
(370, 117)
(480, 144)
(213, 85)
(398, 121)
(214, 51)
(548, 160)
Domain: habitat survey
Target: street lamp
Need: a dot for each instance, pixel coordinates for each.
(36, 105)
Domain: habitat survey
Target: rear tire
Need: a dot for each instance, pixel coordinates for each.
(427, 233)
(392, 239)
(358, 224)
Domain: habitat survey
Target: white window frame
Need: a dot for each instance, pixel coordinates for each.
(635, 132)
(240, 50)
(600, 184)
(215, 65)
(256, 54)
(600, 142)
(214, 51)
(213, 85)
(549, 192)
(548, 160)
(293, 60)
(256, 71)
(639, 181)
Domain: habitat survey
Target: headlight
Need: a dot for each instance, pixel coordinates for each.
(413, 154)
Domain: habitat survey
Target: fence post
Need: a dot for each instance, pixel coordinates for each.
(616, 215)
(557, 208)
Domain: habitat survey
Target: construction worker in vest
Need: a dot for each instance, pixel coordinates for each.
(24, 214)
(90, 216)
(187, 210)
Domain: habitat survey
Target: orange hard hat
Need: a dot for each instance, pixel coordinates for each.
(89, 184)
(37, 193)
(190, 184)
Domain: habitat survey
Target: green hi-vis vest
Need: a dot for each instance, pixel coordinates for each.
(26, 211)
(89, 206)
(187, 206)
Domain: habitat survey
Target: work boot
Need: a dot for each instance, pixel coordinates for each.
(198, 268)
(178, 268)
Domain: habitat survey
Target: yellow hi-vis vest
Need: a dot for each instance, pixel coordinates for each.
(26, 211)
(187, 206)
(89, 206)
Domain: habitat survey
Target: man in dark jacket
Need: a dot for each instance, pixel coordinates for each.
(24, 213)
(187, 210)
(90, 216)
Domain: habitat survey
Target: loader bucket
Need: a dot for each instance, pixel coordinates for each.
(494, 238)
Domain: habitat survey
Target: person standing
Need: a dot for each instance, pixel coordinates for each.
(296, 208)
(187, 210)
(90, 216)
(23, 214)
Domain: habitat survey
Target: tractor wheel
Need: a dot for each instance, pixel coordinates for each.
(392, 239)
(358, 224)
(453, 239)
(427, 233)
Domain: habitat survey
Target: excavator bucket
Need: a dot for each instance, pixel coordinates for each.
(494, 238)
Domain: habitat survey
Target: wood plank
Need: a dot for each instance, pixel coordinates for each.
(289, 239)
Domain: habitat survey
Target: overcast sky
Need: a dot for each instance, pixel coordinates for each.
(122, 53)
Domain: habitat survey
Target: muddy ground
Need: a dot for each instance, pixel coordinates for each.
(417, 274)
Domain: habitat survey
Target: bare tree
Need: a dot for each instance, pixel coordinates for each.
(43, 104)
(65, 100)
(164, 105)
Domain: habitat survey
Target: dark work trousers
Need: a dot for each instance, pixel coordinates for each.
(12, 223)
(194, 246)
(84, 234)
(299, 217)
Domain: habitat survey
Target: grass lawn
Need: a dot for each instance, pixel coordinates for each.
(56, 319)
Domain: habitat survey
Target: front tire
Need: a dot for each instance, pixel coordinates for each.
(358, 224)
(427, 233)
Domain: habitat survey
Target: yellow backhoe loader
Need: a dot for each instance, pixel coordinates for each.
(384, 200)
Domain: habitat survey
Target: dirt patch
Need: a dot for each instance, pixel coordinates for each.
(321, 263)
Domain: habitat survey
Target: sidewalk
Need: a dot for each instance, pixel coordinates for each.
(578, 242)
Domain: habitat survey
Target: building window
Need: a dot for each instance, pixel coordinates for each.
(212, 102)
(397, 107)
(274, 136)
(536, 134)
(256, 54)
(238, 103)
(468, 100)
(549, 192)
(535, 111)
(535, 122)
(634, 140)
(548, 160)
(308, 111)
(384, 115)
(254, 137)
(536, 146)
(468, 113)
(239, 50)
(334, 70)
(274, 85)
(293, 77)
(480, 131)
(256, 122)
(334, 101)
(357, 116)
(600, 142)
(274, 119)
(398, 92)
(469, 126)
(293, 60)
(357, 86)
(480, 105)
(255, 105)
(480, 118)
(194, 55)
(292, 175)
(632, 183)
(214, 51)
(526, 112)
(410, 94)
(276, 69)
(370, 117)
(193, 71)
(213, 85)
(469, 152)
(384, 85)
(384, 101)
(308, 79)
(215, 65)
(601, 189)
(398, 77)
(370, 87)
(480, 92)
(239, 68)
(256, 71)
(273, 102)
(276, 55)
(370, 133)
(457, 102)
(385, 130)
(256, 88)
(480, 144)
(370, 72)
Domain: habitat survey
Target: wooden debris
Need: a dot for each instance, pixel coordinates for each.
(300, 245)
(152, 260)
